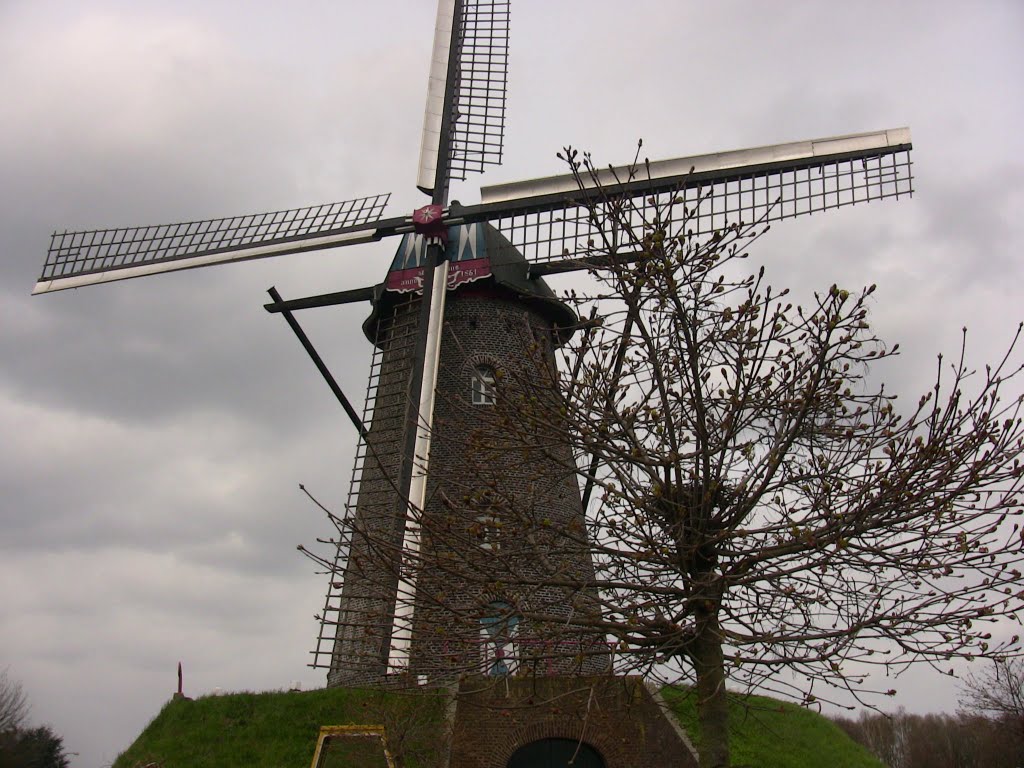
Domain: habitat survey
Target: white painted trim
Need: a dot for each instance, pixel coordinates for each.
(401, 634)
(433, 113)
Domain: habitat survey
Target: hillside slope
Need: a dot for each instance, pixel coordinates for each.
(279, 730)
(768, 733)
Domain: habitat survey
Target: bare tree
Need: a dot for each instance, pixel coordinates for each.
(759, 511)
(20, 745)
(905, 740)
(998, 693)
(13, 704)
(759, 505)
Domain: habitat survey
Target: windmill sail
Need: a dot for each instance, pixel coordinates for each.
(351, 632)
(475, 62)
(479, 122)
(549, 219)
(463, 128)
(98, 256)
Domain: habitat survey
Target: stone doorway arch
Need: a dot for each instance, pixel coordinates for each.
(556, 753)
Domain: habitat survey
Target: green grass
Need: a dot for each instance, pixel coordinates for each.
(766, 733)
(279, 730)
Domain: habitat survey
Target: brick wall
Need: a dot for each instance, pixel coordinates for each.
(619, 717)
(527, 490)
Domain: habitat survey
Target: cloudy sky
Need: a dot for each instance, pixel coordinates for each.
(153, 433)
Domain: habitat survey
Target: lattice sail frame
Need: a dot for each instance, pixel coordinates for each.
(97, 251)
(469, 66)
(756, 196)
(332, 618)
(478, 120)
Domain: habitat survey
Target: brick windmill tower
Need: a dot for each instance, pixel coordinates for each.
(501, 329)
(463, 319)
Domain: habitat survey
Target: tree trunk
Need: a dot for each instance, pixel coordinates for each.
(712, 704)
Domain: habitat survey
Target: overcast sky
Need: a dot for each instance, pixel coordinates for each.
(153, 433)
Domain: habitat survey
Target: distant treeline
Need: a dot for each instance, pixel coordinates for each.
(903, 740)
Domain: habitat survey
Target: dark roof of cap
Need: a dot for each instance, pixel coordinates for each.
(510, 272)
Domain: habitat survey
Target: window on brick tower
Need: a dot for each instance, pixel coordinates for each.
(485, 529)
(482, 385)
(498, 629)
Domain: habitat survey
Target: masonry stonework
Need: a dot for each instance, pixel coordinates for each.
(502, 601)
(493, 500)
(619, 717)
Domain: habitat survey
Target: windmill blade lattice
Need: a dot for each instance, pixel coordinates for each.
(111, 254)
(345, 639)
(372, 485)
(549, 220)
(464, 119)
(546, 230)
(478, 120)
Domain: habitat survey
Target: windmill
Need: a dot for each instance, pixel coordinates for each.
(506, 244)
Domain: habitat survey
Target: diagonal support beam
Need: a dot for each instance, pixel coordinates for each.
(319, 363)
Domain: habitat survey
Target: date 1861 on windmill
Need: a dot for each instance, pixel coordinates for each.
(462, 316)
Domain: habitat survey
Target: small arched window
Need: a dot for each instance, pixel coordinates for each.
(482, 385)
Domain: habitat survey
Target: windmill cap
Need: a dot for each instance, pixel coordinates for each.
(491, 260)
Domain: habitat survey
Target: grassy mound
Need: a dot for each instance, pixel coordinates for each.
(279, 730)
(767, 733)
